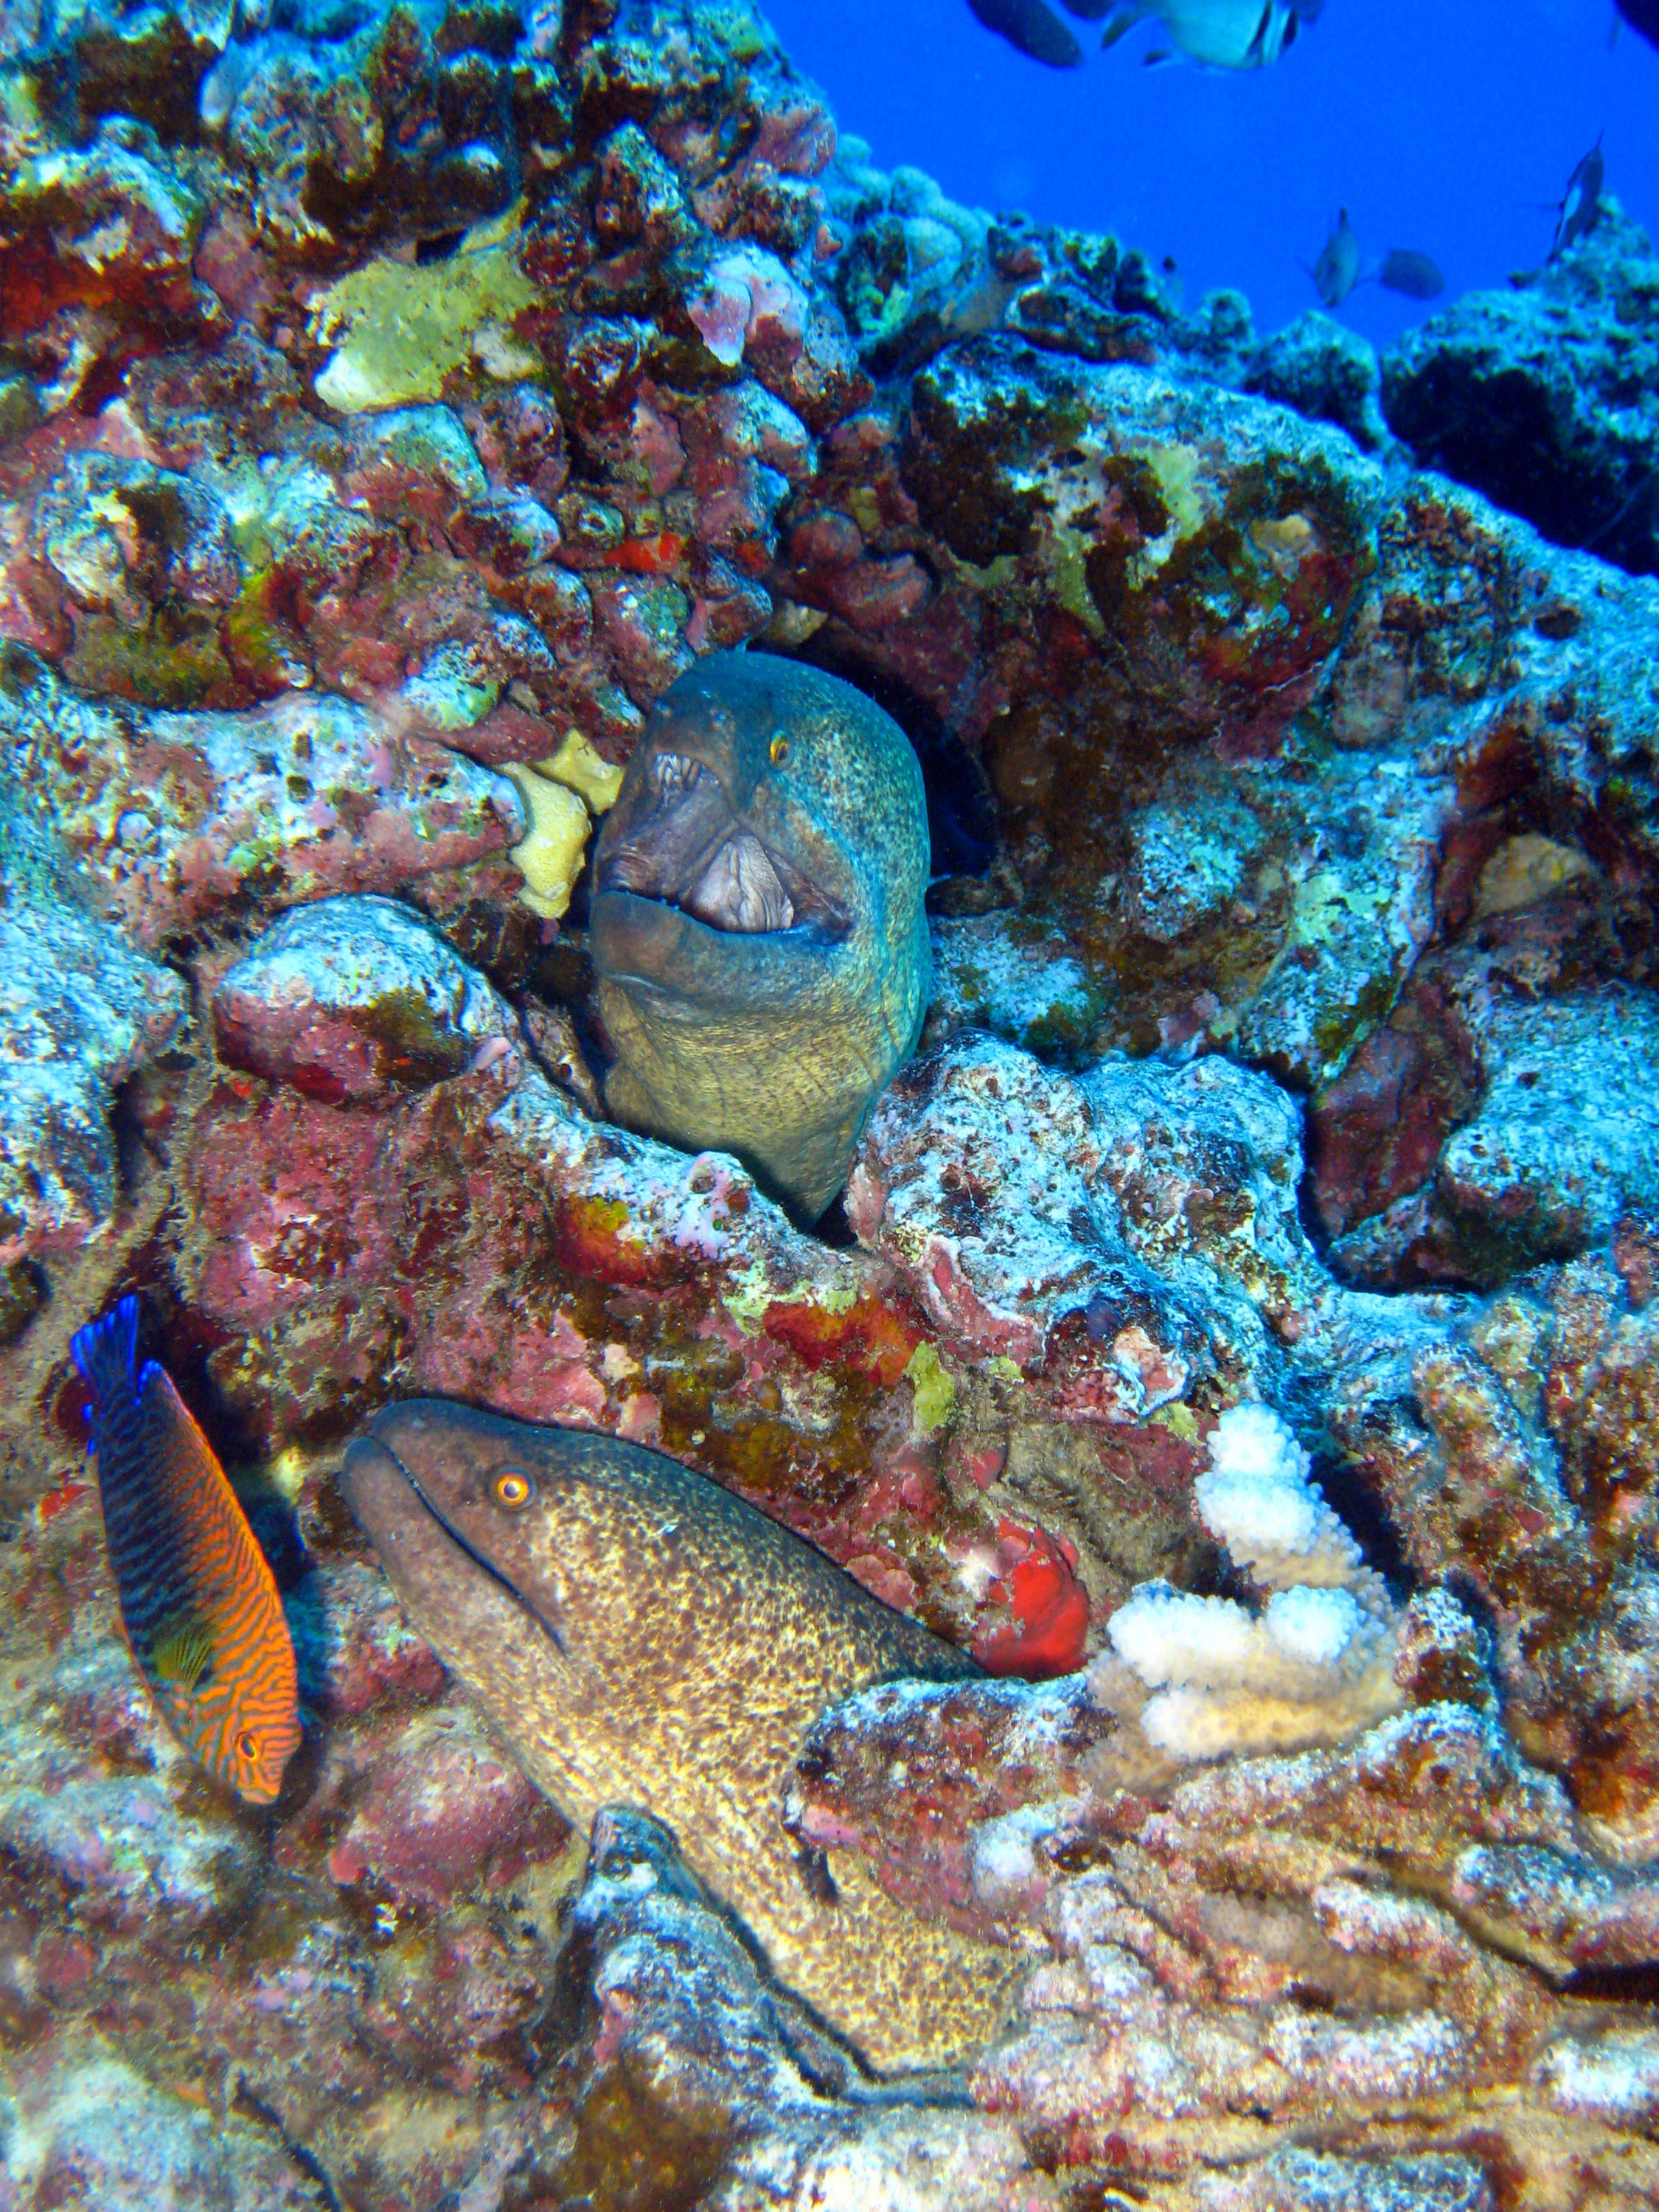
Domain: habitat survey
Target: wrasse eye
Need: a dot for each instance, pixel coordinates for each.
(778, 751)
(511, 1489)
(248, 1745)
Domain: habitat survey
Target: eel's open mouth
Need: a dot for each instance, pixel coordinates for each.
(686, 848)
(360, 1474)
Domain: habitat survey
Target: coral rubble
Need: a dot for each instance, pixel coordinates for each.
(1239, 1329)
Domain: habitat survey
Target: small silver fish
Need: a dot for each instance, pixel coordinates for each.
(1233, 34)
(1337, 270)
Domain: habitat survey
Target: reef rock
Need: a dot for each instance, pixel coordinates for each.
(1326, 372)
(80, 1012)
(1543, 395)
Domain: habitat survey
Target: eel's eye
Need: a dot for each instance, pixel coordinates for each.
(248, 1745)
(511, 1489)
(779, 751)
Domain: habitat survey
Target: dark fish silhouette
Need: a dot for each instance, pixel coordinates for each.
(198, 1602)
(1581, 203)
(1337, 270)
(1413, 274)
(1643, 16)
(1032, 29)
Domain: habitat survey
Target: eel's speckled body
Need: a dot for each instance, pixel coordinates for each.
(639, 1636)
(756, 922)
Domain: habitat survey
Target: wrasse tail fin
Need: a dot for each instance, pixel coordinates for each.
(106, 1351)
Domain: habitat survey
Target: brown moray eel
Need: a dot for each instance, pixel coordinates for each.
(638, 1636)
(756, 920)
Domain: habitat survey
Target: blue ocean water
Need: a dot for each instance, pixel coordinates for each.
(1440, 125)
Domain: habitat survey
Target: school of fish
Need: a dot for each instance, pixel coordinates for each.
(1252, 34)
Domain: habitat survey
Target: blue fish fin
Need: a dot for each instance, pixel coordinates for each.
(106, 1351)
(1123, 21)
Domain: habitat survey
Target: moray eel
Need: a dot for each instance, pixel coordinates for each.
(756, 922)
(637, 1635)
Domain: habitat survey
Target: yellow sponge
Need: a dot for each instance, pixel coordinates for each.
(579, 768)
(549, 854)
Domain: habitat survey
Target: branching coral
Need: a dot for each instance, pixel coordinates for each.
(1315, 1664)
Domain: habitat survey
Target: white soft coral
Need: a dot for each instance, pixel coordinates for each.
(1315, 1664)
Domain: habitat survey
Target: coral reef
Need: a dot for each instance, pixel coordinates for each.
(1239, 1327)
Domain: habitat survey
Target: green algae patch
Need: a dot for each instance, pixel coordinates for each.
(935, 1392)
(749, 1297)
(416, 1049)
(1066, 554)
(22, 1292)
(1179, 1420)
(1177, 469)
(175, 662)
(596, 1238)
(400, 331)
(262, 651)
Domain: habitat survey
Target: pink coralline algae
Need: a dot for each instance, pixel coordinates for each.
(173, 817)
(385, 397)
(442, 1810)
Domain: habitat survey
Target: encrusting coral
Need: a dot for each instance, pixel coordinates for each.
(550, 854)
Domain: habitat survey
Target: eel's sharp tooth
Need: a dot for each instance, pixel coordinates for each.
(673, 776)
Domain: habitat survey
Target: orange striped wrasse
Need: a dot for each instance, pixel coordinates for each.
(198, 1602)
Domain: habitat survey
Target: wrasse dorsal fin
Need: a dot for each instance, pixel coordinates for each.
(181, 1650)
(187, 1474)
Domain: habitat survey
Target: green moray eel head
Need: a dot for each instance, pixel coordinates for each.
(756, 919)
